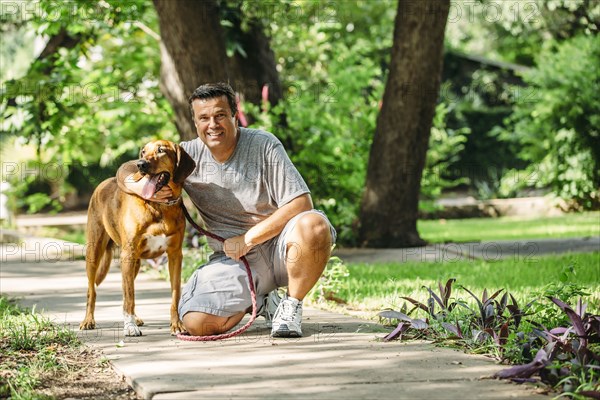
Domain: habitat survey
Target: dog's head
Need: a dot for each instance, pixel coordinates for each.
(165, 163)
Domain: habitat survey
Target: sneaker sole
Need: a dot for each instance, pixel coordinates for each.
(285, 332)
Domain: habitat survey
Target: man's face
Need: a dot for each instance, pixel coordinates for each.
(215, 125)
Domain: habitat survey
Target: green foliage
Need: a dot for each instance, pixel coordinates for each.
(553, 126)
(192, 259)
(514, 30)
(333, 280)
(39, 189)
(558, 133)
(566, 290)
(445, 146)
(332, 101)
(332, 95)
(85, 107)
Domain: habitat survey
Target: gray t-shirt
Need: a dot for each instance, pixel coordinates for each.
(235, 195)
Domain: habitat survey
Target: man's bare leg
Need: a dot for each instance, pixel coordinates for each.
(202, 324)
(308, 250)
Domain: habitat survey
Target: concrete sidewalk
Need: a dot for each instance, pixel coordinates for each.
(339, 358)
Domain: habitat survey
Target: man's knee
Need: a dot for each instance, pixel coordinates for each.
(313, 228)
(202, 324)
(311, 239)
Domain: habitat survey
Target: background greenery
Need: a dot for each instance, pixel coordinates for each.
(513, 101)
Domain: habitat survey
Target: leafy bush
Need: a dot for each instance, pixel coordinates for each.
(329, 131)
(445, 146)
(37, 190)
(559, 133)
(87, 106)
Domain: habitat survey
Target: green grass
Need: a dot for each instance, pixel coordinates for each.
(30, 349)
(373, 287)
(507, 228)
(70, 234)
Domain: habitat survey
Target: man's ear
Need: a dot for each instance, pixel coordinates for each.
(185, 165)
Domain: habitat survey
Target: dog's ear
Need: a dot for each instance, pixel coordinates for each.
(185, 165)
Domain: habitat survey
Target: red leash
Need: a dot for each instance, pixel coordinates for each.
(188, 337)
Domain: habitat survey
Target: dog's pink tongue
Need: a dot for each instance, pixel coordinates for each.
(150, 187)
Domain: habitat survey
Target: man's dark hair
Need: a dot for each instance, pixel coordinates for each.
(214, 90)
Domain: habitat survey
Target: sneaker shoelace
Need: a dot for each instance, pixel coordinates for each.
(288, 312)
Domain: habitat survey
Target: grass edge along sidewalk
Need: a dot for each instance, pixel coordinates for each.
(40, 359)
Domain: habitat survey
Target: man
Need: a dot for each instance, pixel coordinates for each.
(248, 191)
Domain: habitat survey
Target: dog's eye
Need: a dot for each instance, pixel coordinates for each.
(160, 149)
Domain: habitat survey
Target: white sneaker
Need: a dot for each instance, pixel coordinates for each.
(269, 306)
(287, 321)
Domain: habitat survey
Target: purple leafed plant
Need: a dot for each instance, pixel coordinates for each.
(564, 343)
(442, 300)
(405, 324)
(565, 356)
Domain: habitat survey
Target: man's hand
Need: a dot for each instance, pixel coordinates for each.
(164, 195)
(236, 247)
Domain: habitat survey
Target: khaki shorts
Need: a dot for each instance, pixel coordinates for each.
(220, 287)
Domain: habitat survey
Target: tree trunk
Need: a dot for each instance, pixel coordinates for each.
(257, 67)
(193, 52)
(397, 158)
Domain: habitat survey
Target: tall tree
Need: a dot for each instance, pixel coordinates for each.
(397, 157)
(193, 51)
(253, 63)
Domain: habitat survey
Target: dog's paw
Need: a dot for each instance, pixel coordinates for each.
(177, 328)
(87, 324)
(131, 330)
(138, 321)
(130, 326)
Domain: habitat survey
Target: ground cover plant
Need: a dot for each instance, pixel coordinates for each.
(42, 360)
(541, 315)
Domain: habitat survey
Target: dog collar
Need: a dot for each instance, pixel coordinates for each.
(172, 202)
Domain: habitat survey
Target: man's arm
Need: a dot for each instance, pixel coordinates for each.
(125, 176)
(127, 183)
(239, 246)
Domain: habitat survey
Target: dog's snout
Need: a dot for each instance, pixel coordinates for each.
(143, 165)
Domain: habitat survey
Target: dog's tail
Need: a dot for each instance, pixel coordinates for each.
(105, 262)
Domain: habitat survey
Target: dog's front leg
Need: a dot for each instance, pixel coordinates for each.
(175, 260)
(129, 267)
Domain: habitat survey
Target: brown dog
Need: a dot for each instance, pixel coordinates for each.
(143, 229)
